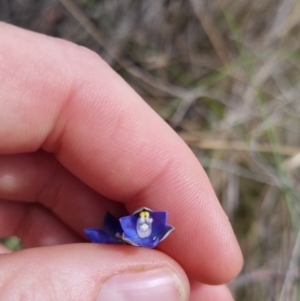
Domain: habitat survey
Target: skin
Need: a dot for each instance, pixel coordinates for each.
(77, 141)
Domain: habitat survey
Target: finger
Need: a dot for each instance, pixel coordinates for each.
(38, 177)
(34, 225)
(89, 272)
(206, 292)
(102, 131)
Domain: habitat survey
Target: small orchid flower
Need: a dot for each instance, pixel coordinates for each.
(112, 233)
(144, 228)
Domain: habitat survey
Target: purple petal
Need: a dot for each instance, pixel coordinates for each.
(128, 224)
(135, 241)
(112, 225)
(97, 236)
(166, 231)
(159, 221)
(149, 242)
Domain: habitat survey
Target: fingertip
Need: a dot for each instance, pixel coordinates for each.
(206, 292)
(204, 243)
(94, 272)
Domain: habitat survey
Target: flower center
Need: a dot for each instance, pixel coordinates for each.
(144, 225)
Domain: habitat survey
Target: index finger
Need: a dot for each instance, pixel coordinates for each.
(63, 98)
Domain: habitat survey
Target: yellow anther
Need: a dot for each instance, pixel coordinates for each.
(144, 214)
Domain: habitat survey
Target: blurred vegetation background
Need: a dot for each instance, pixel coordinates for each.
(225, 75)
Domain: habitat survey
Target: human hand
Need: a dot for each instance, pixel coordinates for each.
(77, 141)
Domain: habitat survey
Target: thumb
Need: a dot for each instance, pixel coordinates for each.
(91, 273)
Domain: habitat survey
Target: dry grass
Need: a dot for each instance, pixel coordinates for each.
(225, 74)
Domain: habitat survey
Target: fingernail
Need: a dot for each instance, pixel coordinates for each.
(158, 284)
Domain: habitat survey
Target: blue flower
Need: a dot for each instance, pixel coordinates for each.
(145, 227)
(111, 233)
